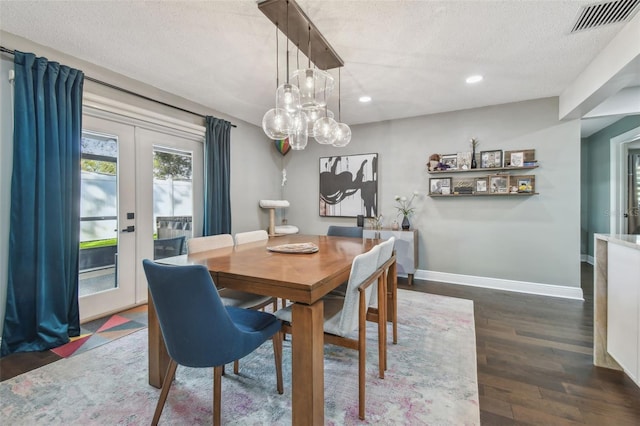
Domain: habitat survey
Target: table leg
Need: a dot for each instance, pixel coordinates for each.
(410, 279)
(158, 356)
(307, 364)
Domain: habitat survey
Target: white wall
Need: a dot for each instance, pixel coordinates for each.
(532, 239)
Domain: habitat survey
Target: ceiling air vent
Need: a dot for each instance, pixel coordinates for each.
(608, 12)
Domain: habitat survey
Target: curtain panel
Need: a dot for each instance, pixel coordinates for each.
(42, 289)
(217, 171)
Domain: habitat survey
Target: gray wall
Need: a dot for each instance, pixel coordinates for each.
(534, 239)
(597, 176)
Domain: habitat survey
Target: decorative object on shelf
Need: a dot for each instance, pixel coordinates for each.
(301, 103)
(405, 208)
(491, 159)
(349, 184)
(395, 226)
(440, 186)
(434, 162)
(463, 160)
(520, 158)
(474, 145)
(463, 186)
(523, 183)
(449, 161)
(499, 184)
(481, 185)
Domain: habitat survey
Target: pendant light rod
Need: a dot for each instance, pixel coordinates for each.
(324, 56)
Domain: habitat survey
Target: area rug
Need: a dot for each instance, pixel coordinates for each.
(431, 380)
(101, 331)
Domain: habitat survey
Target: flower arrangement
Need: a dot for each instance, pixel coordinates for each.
(403, 204)
(375, 222)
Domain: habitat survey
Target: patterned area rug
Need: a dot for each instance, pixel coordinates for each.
(431, 380)
(97, 333)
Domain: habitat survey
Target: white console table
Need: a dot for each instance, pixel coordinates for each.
(406, 247)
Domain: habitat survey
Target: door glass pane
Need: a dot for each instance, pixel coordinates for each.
(98, 213)
(172, 201)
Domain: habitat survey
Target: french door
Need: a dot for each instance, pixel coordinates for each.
(133, 172)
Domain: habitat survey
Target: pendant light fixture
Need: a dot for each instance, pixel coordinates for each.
(342, 132)
(301, 102)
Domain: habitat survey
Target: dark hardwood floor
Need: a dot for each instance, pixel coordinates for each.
(535, 362)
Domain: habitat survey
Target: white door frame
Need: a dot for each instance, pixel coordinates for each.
(619, 150)
(119, 112)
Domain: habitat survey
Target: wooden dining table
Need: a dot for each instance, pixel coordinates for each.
(300, 278)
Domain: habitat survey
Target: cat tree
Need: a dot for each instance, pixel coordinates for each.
(274, 230)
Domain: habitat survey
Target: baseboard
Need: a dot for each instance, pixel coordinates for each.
(587, 258)
(502, 284)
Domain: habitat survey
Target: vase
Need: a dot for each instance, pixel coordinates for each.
(395, 226)
(474, 164)
(405, 223)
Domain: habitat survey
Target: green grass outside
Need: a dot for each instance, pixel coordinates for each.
(103, 243)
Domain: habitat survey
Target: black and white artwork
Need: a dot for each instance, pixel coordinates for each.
(349, 185)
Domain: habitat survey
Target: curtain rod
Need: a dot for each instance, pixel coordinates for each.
(129, 92)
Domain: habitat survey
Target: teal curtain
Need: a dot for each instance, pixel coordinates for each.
(42, 289)
(217, 171)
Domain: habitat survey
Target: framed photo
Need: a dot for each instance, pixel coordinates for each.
(349, 185)
(524, 183)
(463, 160)
(450, 160)
(481, 185)
(520, 158)
(491, 159)
(440, 186)
(498, 184)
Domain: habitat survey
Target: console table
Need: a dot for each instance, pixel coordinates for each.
(406, 247)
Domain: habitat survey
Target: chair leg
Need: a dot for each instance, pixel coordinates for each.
(362, 354)
(168, 379)
(217, 390)
(382, 325)
(394, 301)
(277, 355)
(236, 367)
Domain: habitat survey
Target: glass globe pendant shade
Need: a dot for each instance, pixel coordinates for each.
(313, 115)
(288, 97)
(342, 135)
(299, 136)
(315, 87)
(277, 123)
(324, 130)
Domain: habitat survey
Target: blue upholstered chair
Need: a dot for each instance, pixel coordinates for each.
(345, 316)
(345, 231)
(199, 331)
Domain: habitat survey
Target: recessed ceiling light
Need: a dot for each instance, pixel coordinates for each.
(474, 79)
(364, 99)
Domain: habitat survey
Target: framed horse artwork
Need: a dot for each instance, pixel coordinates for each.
(349, 185)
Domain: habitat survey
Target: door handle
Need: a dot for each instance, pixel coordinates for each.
(129, 228)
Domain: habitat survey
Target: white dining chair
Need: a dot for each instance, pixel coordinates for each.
(251, 236)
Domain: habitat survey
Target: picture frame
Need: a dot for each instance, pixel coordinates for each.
(491, 159)
(528, 157)
(482, 186)
(524, 183)
(450, 160)
(463, 160)
(498, 184)
(349, 185)
(440, 186)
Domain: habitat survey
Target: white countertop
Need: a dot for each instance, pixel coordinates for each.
(627, 240)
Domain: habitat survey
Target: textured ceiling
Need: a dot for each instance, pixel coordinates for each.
(411, 57)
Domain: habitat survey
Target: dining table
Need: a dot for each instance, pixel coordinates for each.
(299, 277)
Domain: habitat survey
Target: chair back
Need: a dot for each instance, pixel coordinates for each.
(251, 236)
(344, 231)
(386, 250)
(198, 244)
(363, 266)
(167, 247)
(197, 330)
